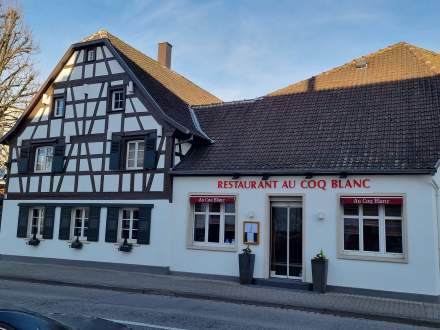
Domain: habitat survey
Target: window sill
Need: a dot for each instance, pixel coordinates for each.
(212, 248)
(380, 258)
(84, 241)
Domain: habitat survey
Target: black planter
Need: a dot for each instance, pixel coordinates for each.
(34, 241)
(319, 275)
(246, 263)
(76, 244)
(125, 247)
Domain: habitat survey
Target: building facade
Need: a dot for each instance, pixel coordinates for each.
(121, 160)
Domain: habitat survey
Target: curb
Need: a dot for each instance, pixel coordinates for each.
(192, 295)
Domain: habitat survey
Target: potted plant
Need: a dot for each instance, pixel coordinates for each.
(125, 246)
(319, 272)
(34, 241)
(246, 261)
(76, 244)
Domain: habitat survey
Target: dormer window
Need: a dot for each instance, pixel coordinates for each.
(91, 54)
(43, 159)
(58, 107)
(117, 99)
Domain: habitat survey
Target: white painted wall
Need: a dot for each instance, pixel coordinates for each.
(155, 254)
(419, 275)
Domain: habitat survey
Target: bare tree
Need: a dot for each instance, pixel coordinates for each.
(17, 74)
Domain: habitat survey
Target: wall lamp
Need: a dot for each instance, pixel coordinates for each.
(343, 175)
(265, 177)
(309, 175)
(235, 176)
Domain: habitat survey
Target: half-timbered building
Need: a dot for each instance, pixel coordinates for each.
(121, 161)
(95, 147)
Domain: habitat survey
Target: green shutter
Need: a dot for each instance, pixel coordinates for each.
(115, 153)
(144, 225)
(23, 218)
(49, 215)
(111, 229)
(65, 223)
(150, 153)
(94, 220)
(58, 158)
(23, 161)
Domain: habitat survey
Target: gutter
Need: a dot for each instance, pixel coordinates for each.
(303, 172)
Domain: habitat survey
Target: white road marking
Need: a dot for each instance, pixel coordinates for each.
(140, 324)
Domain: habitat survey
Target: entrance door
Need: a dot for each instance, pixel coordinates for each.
(286, 240)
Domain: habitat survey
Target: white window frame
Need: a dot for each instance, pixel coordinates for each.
(57, 111)
(113, 99)
(40, 222)
(381, 255)
(84, 216)
(91, 51)
(131, 219)
(136, 154)
(48, 160)
(207, 213)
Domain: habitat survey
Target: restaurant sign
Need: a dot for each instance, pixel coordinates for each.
(322, 184)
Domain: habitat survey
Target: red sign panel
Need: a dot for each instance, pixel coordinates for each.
(372, 200)
(212, 199)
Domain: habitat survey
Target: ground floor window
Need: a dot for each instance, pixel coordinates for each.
(80, 222)
(36, 222)
(129, 219)
(213, 221)
(372, 226)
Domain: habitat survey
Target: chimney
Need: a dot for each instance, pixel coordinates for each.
(164, 54)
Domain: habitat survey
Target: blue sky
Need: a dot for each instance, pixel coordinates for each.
(238, 49)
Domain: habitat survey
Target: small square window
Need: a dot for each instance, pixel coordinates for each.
(58, 107)
(117, 100)
(91, 54)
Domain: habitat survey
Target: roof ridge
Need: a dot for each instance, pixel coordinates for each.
(420, 55)
(111, 37)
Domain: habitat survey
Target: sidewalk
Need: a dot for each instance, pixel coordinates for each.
(395, 310)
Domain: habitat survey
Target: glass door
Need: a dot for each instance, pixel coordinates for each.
(286, 240)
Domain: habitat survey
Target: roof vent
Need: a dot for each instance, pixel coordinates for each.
(361, 63)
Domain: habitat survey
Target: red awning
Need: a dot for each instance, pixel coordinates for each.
(212, 199)
(389, 200)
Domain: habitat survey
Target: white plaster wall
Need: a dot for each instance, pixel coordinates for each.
(155, 254)
(419, 275)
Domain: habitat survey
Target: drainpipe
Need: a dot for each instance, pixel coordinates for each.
(437, 188)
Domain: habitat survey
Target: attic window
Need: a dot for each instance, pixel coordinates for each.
(361, 63)
(91, 54)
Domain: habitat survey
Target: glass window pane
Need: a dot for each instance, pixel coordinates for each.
(230, 207)
(371, 209)
(351, 234)
(229, 229)
(125, 214)
(214, 228)
(214, 207)
(393, 210)
(393, 232)
(351, 209)
(136, 214)
(134, 234)
(371, 235)
(199, 228)
(200, 207)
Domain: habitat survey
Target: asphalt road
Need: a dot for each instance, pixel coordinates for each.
(172, 313)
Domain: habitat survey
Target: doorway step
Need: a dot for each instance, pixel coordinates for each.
(284, 283)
